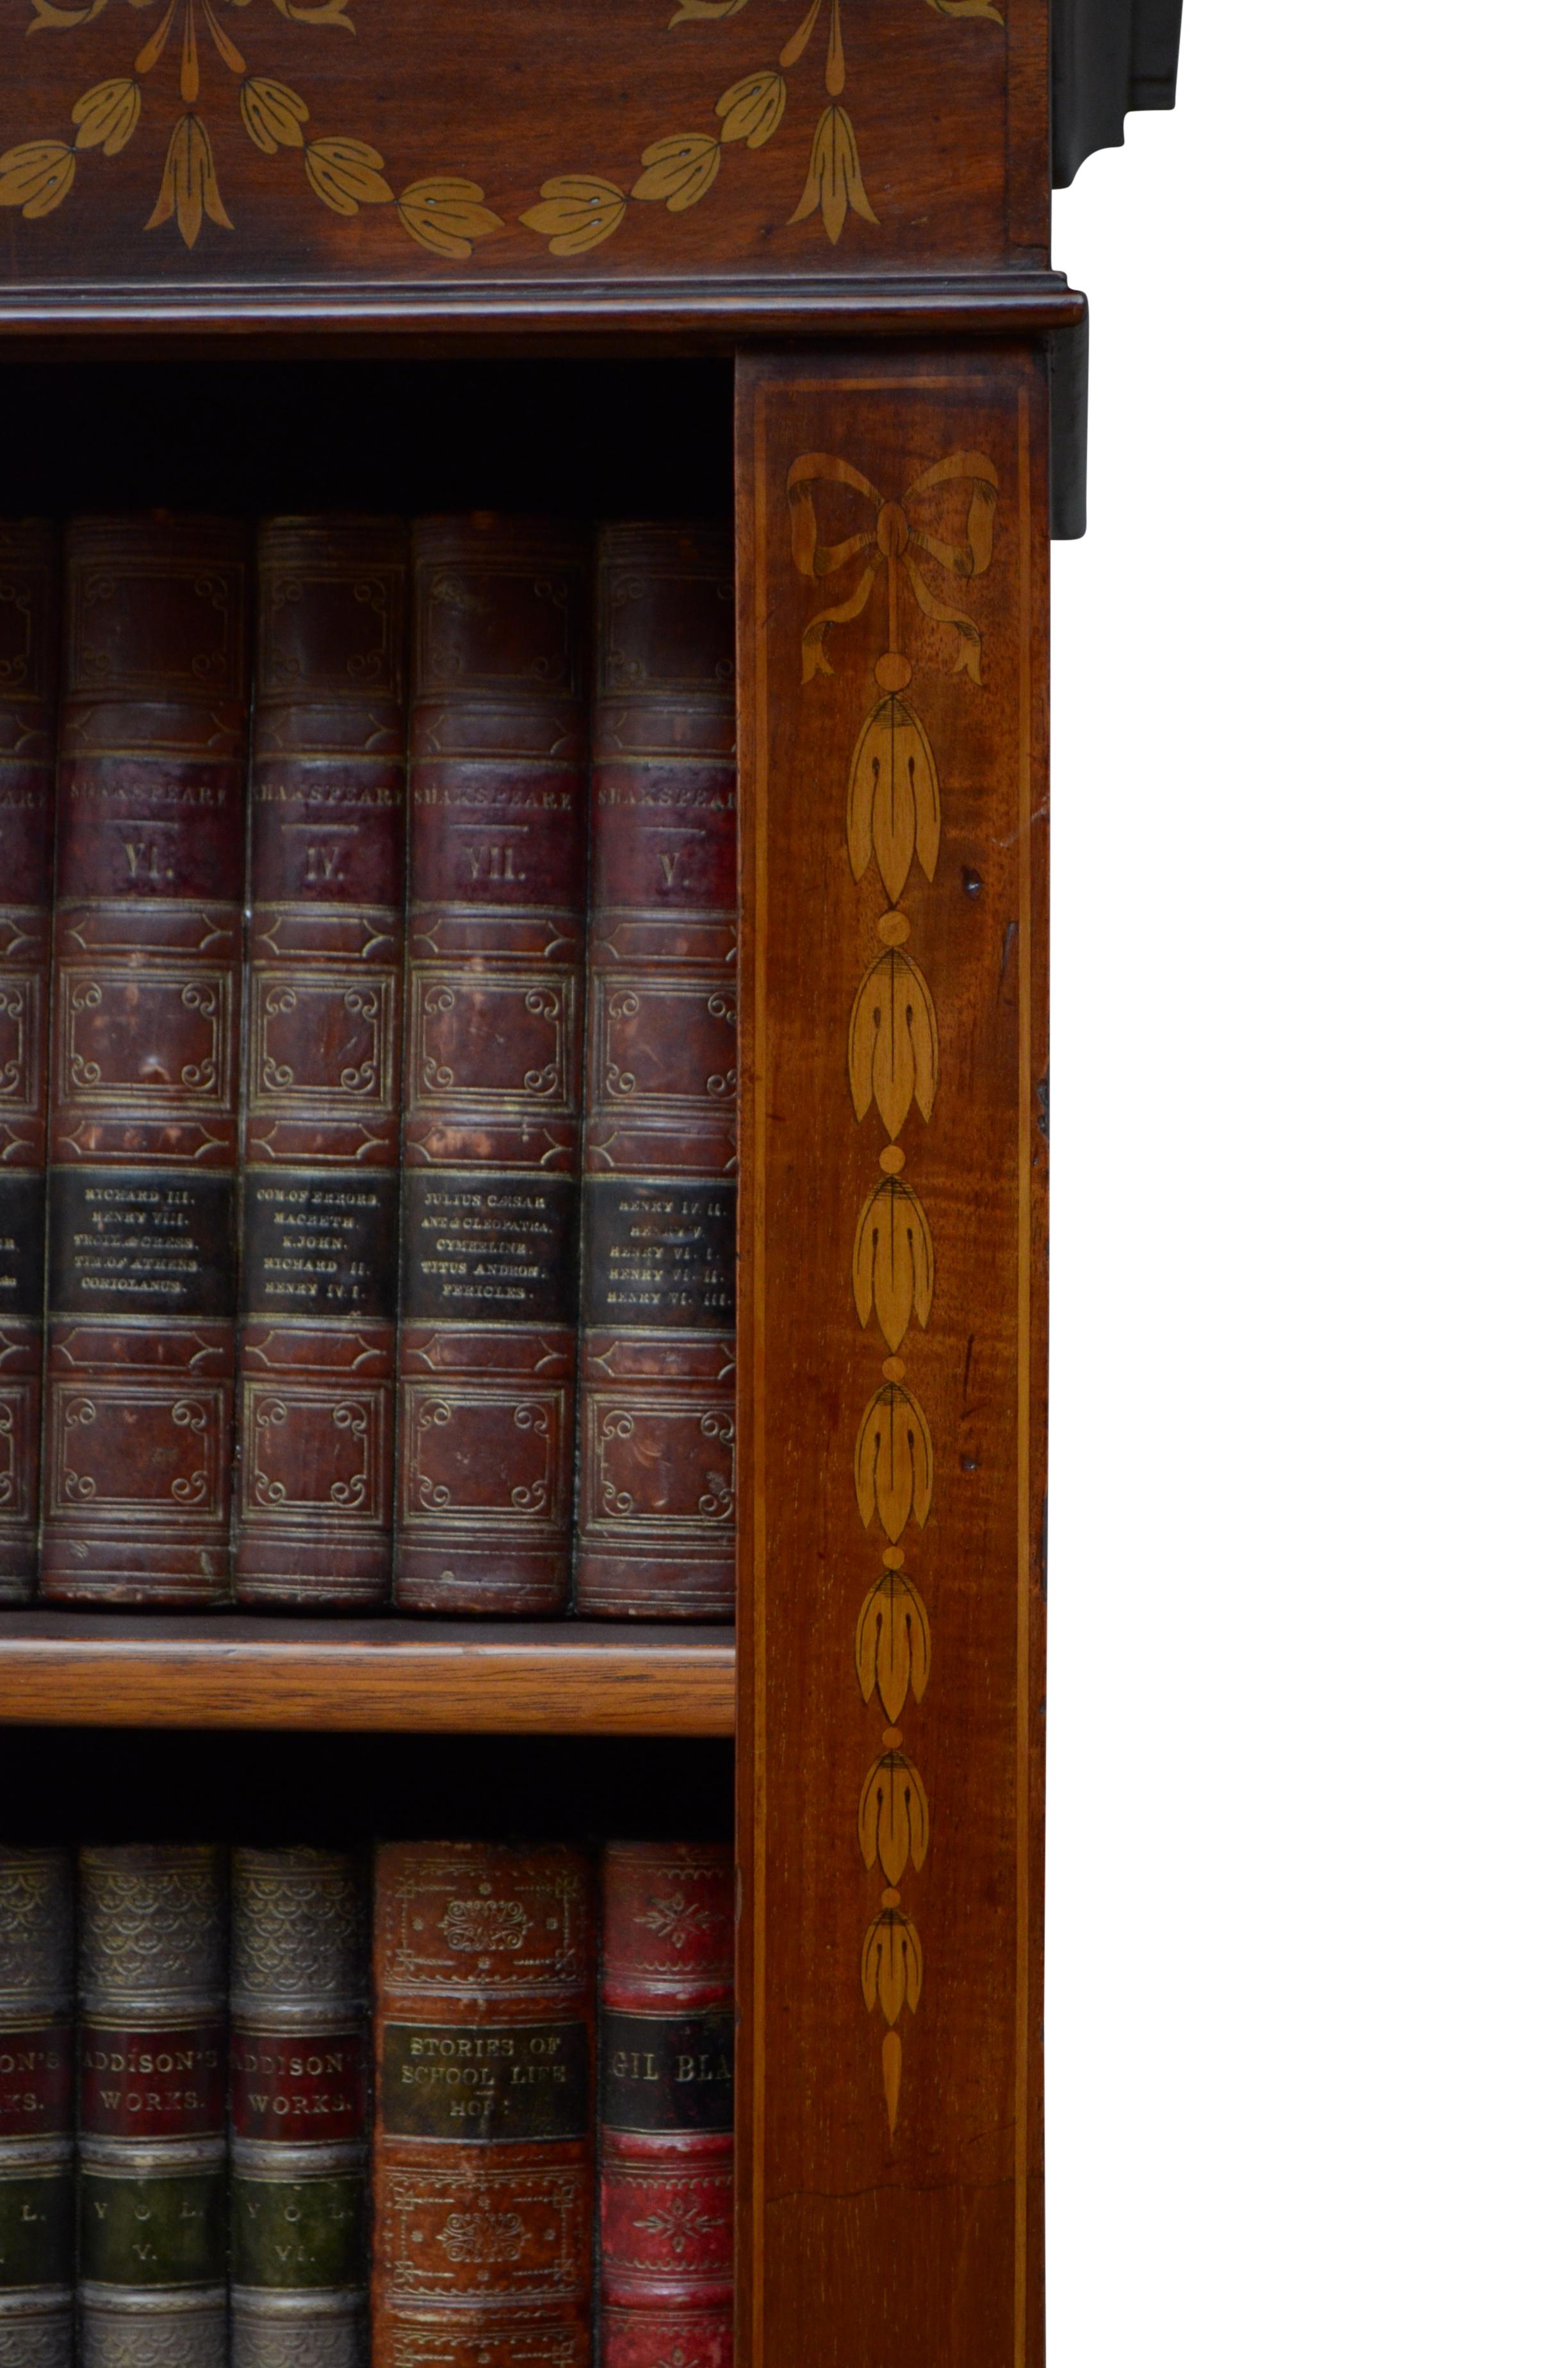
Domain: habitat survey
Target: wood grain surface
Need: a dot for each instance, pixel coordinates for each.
(502, 1678)
(211, 147)
(892, 582)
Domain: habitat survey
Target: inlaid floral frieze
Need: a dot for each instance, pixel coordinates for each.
(192, 88)
(190, 45)
(579, 210)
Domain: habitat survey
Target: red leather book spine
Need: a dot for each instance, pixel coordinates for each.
(30, 602)
(656, 1512)
(667, 2107)
(150, 2108)
(143, 1077)
(37, 2233)
(322, 1066)
(482, 2155)
(299, 2109)
(493, 1092)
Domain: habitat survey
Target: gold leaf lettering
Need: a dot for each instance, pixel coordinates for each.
(893, 1263)
(753, 109)
(895, 1816)
(895, 805)
(892, 1643)
(272, 114)
(346, 174)
(36, 177)
(190, 182)
(833, 175)
(447, 216)
(895, 1465)
(579, 212)
(106, 115)
(679, 171)
(892, 1040)
(893, 1965)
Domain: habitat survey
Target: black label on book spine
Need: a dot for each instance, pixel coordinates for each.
(530, 2081)
(36, 2247)
(658, 1253)
(21, 1246)
(298, 2232)
(141, 1242)
(668, 2071)
(320, 1245)
(489, 1247)
(157, 2231)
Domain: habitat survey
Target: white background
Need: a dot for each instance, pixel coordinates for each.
(1308, 1900)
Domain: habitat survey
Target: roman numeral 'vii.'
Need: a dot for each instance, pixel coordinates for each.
(491, 863)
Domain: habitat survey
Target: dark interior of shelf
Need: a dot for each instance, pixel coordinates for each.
(222, 1626)
(610, 439)
(72, 1784)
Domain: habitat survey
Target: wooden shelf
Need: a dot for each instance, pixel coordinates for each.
(577, 1678)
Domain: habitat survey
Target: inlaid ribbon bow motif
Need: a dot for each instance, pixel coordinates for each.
(899, 540)
(894, 821)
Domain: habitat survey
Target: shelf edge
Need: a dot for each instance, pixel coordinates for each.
(461, 1687)
(967, 303)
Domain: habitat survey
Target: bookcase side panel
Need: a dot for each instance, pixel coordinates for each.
(891, 669)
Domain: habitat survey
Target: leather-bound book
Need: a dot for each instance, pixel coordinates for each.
(655, 1515)
(29, 569)
(143, 1128)
(299, 2002)
(323, 992)
(666, 2106)
(38, 2232)
(150, 2108)
(493, 1095)
(483, 2150)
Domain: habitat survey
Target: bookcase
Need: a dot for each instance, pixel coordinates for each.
(788, 261)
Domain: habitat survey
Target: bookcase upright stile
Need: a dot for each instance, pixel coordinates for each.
(840, 215)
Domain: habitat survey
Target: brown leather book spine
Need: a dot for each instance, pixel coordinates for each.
(299, 2109)
(150, 2108)
(482, 2155)
(493, 1092)
(655, 1513)
(38, 2230)
(30, 603)
(143, 1076)
(666, 2106)
(322, 1066)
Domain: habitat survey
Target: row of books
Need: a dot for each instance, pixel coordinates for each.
(470, 2108)
(368, 1066)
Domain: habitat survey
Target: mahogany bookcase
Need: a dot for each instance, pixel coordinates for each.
(813, 235)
